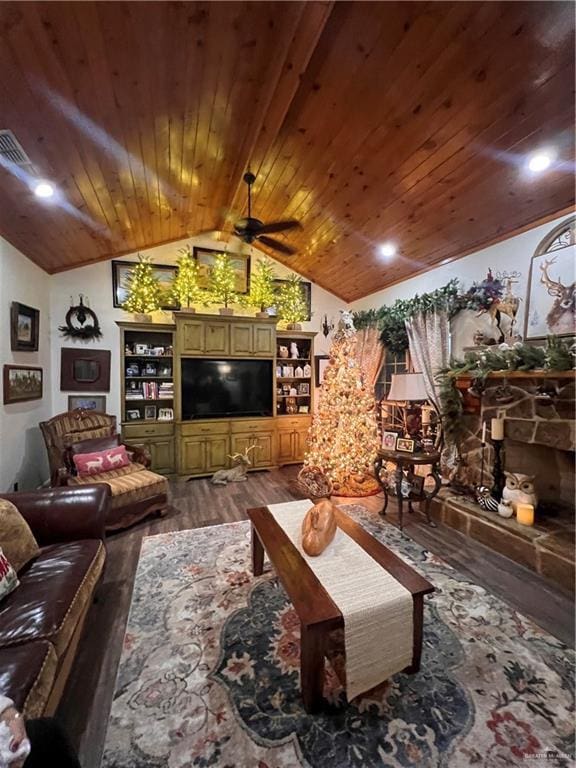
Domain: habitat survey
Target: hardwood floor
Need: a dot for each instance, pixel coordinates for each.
(85, 707)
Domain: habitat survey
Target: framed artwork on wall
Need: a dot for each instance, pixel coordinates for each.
(84, 370)
(550, 302)
(22, 383)
(120, 272)
(206, 258)
(306, 290)
(87, 402)
(24, 328)
(320, 365)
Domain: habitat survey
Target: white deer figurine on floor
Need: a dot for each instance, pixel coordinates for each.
(238, 473)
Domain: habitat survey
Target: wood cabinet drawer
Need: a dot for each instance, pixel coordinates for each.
(293, 422)
(200, 428)
(147, 430)
(265, 425)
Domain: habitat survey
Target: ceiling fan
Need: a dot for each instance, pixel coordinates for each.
(250, 229)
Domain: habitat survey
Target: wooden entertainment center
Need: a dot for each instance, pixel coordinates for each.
(151, 364)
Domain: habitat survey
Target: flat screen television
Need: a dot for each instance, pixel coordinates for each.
(214, 389)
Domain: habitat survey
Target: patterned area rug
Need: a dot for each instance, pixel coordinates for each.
(209, 673)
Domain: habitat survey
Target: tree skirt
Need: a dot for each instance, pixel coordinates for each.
(209, 674)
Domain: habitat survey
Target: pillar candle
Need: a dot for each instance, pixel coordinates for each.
(425, 416)
(483, 433)
(525, 514)
(497, 429)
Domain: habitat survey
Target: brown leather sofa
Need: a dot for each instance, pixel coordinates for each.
(41, 621)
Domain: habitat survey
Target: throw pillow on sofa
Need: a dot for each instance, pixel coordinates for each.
(8, 578)
(16, 538)
(101, 461)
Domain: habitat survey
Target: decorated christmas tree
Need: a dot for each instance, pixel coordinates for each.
(261, 293)
(144, 290)
(291, 302)
(185, 288)
(344, 435)
(222, 281)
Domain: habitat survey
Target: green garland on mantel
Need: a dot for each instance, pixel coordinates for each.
(391, 321)
(557, 355)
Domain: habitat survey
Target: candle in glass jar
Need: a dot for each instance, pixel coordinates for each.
(525, 514)
(497, 429)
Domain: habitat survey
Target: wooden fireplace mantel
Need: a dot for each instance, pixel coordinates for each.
(473, 404)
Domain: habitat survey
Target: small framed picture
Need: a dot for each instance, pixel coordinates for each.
(405, 444)
(132, 415)
(87, 403)
(320, 365)
(303, 409)
(142, 349)
(389, 440)
(24, 327)
(158, 351)
(21, 383)
(417, 485)
(150, 412)
(165, 414)
(133, 369)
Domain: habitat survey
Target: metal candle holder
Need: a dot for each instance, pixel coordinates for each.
(498, 473)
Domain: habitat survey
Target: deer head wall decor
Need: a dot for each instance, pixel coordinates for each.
(560, 318)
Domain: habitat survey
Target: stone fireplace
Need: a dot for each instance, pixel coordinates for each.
(539, 431)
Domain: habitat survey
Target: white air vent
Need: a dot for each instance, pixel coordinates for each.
(11, 150)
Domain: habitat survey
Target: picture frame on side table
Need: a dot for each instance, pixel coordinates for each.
(22, 383)
(24, 327)
(405, 444)
(389, 440)
(87, 403)
(206, 258)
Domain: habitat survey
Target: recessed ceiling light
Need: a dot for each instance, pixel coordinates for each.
(387, 249)
(540, 161)
(43, 189)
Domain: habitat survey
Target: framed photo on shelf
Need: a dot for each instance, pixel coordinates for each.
(22, 383)
(206, 258)
(405, 444)
(150, 412)
(320, 365)
(389, 440)
(24, 328)
(303, 409)
(121, 271)
(306, 291)
(132, 415)
(87, 402)
(165, 414)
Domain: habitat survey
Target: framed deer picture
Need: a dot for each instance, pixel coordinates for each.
(551, 299)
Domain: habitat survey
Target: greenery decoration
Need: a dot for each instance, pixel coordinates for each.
(291, 301)
(144, 290)
(261, 293)
(558, 355)
(222, 281)
(185, 288)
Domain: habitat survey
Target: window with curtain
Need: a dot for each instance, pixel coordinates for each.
(392, 363)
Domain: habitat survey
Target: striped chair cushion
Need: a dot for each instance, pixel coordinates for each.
(128, 484)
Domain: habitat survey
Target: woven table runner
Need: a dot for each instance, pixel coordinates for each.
(377, 609)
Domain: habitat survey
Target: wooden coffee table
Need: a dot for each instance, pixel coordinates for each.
(317, 612)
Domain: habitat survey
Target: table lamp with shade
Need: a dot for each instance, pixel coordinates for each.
(409, 388)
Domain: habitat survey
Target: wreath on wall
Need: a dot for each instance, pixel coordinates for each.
(81, 323)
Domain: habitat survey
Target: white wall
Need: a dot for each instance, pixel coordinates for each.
(510, 255)
(22, 453)
(95, 282)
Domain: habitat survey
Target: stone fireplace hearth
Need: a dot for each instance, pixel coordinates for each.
(538, 412)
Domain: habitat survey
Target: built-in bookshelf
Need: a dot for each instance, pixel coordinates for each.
(147, 374)
(294, 373)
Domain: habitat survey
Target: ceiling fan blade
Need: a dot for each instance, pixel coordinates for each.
(280, 226)
(276, 245)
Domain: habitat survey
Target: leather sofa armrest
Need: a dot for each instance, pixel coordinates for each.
(139, 454)
(57, 515)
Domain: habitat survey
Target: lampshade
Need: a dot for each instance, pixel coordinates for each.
(407, 386)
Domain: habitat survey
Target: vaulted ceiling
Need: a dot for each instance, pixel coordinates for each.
(402, 121)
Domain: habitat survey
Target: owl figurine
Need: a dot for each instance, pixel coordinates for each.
(519, 489)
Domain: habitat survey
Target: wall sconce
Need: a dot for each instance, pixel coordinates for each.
(327, 326)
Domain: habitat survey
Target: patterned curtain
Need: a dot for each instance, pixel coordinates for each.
(429, 339)
(369, 353)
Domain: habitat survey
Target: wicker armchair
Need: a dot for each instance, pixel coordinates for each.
(135, 490)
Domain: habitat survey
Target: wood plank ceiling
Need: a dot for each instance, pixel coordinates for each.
(403, 121)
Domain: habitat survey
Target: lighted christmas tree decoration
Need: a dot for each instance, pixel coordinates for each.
(222, 283)
(344, 435)
(185, 288)
(262, 279)
(144, 290)
(291, 303)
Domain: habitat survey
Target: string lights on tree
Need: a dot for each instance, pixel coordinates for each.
(291, 302)
(186, 290)
(344, 435)
(144, 290)
(262, 279)
(223, 282)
